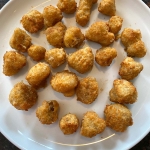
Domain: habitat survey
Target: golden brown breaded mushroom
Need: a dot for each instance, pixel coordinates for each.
(55, 35)
(23, 96)
(92, 124)
(13, 62)
(47, 113)
(51, 15)
(84, 11)
(36, 52)
(87, 90)
(81, 60)
(33, 21)
(20, 40)
(69, 124)
(99, 32)
(107, 7)
(105, 55)
(123, 92)
(118, 117)
(130, 68)
(67, 6)
(38, 74)
(73, 37)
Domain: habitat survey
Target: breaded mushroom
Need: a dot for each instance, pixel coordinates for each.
(92, 124)
(47, 113)
(130, 68)
(107, 7)
(13, 62)
(99, 32)
(118, 117)
(67, 6)
(64, 82)
(38, 74)
(55, 57)
(81, 60)
(36, 52)
(51, 15)
(23, 96)
(69, 124)
(84, 11)
(87, 90)
(20, 40)
(105, 55)
(123, 92)
(55, 35)
(73, 37)
(33, 21)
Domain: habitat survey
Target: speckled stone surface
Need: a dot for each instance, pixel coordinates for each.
(6, 145)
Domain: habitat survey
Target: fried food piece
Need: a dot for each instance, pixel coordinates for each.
(107, 7)
(38, 74)
(23, 96)
(73, 37)
(13, 62)
(92, 124)
(115, 24)
(130, 69)
(55, 35)
(36, 52)
(105, 55)
(99, 32)
(81, 60)
(51, 15)
(69, 124)
(67, 6)
(20, 40)
(55, 57)
(123, 92)
(84, 11)
(64, 82)
(47, 113)
(33, 21)
(118, 117)
(87, 90)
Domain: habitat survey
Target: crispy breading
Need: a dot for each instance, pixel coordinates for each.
(118, 117)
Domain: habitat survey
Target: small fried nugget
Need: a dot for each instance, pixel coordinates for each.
(92, 124)
(99, 32)
(51, 15)
(38, 74)
(67, 6)
(47, 113)
(55, 35)
(81, 60)
(55, 57)
(84, 11)
(13, 62)
(23, 96)
(130, 69)
(33, 21)
(73, 37)
(107, 7)
(115, 24)
(105, 55)
(123, 92)
(87, 90)
(20, 40)
(118, 117)
(64, 82)
(36, 52)
(69, 124)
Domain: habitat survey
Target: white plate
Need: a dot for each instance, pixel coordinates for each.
(23, 128)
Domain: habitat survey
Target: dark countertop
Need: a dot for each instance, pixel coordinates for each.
(6, 145)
